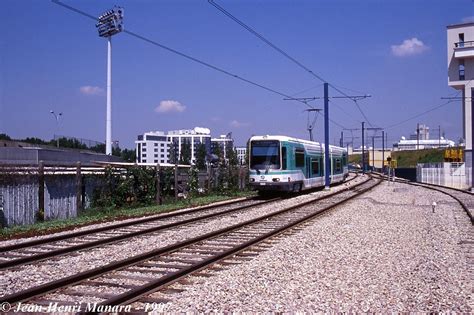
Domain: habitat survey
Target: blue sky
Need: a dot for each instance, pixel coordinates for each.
(52, 58)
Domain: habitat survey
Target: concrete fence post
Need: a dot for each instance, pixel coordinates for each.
(41, 189)
(79, 204)
(158, 185)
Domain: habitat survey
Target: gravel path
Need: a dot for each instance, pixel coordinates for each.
(384, 252)
(49, 270)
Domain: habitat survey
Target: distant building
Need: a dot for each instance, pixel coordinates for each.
(194, 136)
(461, 75)
(405, 144)
(224, 141)
(152, 147)
(241, 153)
(155, 146)
(422, 134)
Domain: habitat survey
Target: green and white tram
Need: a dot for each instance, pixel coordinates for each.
(281, 163)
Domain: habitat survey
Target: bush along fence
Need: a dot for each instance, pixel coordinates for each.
(29, 194)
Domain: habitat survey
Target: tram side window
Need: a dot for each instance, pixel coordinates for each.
(283, 158)
(299, 157)
(338, 166)
(315, 167)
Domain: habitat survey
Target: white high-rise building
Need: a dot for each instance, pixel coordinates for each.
(155, 146)
(461, 75)
(152, 147)
(241, 152)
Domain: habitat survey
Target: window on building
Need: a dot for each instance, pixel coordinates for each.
(461, 70)
(461, 40)
(162, 161)
(144, 149)
(162, 150)
(162, 155)
(162, 145)
(156, 144)
(156, 155)
(156, 150)
(144, 155)
(156, 161)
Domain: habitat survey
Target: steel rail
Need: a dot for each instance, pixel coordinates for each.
(441, 189)
(43, 289)
(135, 294)
(114, 226)
(109, 240)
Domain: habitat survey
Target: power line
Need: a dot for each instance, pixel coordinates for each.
(258, 35)
(194, 59)
(420, 114)
(206, 64)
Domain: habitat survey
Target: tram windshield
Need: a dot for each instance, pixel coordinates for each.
(265, 154)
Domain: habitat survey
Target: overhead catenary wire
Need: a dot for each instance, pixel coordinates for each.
(174, 51)
(155, 43)
(262, 38)
(419, 115)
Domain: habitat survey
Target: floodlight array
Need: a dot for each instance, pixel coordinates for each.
(110, 22)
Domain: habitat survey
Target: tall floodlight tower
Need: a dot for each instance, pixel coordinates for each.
(109, 23)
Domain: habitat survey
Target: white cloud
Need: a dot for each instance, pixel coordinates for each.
(91, 90)
(237, 124)
(409, 47)
(167, 106)
(468, 19)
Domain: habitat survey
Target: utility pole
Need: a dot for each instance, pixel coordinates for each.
(383, 149)
(417, 136)
(439, 136)
(373, 153)
(341, 141)
(363, 149)
(57, 124)
(375, 129)
(327, 163)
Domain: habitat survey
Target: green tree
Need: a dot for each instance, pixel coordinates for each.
(185, 157)
(4, 136)
(193, 181)
(173, 152)
(201, 154)
(128, 155)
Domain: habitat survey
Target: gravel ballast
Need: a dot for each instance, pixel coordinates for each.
(49, 270)
(383, 252)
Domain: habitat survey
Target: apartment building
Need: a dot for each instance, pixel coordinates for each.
(461, 76)
(155, 146)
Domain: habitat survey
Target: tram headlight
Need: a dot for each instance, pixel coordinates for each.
(252, 180)
(276, 179)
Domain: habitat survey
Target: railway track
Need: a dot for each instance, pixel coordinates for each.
(19, 254)
(36, 250)
(134, 279)
(463, 197)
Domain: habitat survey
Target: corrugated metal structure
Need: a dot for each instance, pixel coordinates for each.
(60, 192)
(19, 201)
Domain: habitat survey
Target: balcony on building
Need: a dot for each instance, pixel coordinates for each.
(464, 50)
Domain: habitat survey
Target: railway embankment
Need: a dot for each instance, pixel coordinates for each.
(384, 251)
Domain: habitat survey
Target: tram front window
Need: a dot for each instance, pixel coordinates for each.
(265, 155)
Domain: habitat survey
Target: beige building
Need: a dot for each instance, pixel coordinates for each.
(461, 74)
